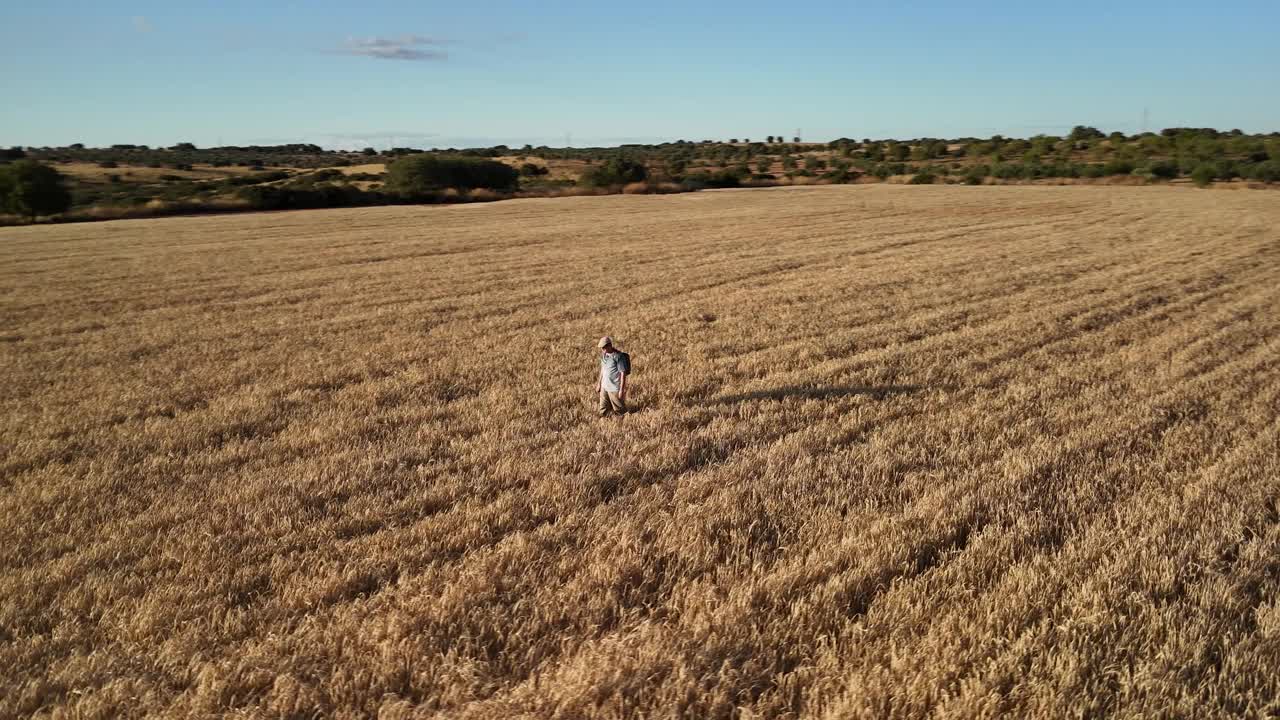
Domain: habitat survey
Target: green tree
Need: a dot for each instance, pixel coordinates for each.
(1203, 175)
(764, 165)
(1084, 132)
(615, 171)
(423, 173)
(29, 188)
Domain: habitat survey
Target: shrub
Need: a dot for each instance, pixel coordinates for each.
(108, 164)
(840, 176)
(531, 170)
(1117, 167)
(1007, 171)
(326, 174)
(721, 179)
(1267, 172)
(1203, 175)
(256, 178)
(274, 197)
(1164, 169)
(1226, 169)
(615, 171)
(31, 189)
(425, 173)
(923, 178)
(975, 174)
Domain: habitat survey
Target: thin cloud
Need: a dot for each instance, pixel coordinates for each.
(141, 24)
(384, 134)
(405, 47)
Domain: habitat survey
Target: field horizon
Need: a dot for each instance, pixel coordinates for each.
(896, 451)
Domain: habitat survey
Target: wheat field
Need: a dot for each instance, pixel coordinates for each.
(894, 452)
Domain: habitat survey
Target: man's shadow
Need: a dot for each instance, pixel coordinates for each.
(821, 393)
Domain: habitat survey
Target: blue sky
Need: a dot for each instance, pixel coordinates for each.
(437, 74)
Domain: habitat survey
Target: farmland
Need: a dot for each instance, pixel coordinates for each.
(895, 451)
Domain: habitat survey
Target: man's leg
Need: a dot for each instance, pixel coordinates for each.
(619, 406)
(603, 405)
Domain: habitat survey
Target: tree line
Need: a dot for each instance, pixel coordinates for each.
(30, 187)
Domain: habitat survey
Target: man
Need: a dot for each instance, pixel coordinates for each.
(611, 384)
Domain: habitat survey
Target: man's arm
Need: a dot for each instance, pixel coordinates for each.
(622, 386)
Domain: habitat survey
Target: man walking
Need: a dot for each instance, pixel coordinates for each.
(611, 384)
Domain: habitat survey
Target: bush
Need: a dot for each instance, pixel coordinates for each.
(256, 178)
(615, 171)
(1164, 169)
(840, 176)
(975, 174)
(721, 179)
(425, 173)
(29, 188)
(1203, 175)
(1117, 167)
(923, 178)
(1007, 171)
(1267, 172)
(108, 164)
(532, 170)
(274, 197)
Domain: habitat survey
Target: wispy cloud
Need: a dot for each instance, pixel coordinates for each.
(141, 24)
(403, 47)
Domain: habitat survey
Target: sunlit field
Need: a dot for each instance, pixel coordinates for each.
(895, 452)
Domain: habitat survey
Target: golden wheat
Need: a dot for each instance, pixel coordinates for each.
(896, 452)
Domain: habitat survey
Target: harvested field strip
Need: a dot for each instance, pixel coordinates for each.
(896, 451)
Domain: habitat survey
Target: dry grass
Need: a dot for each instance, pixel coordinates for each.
(91, 172)
(907, 452)
(370, 168)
